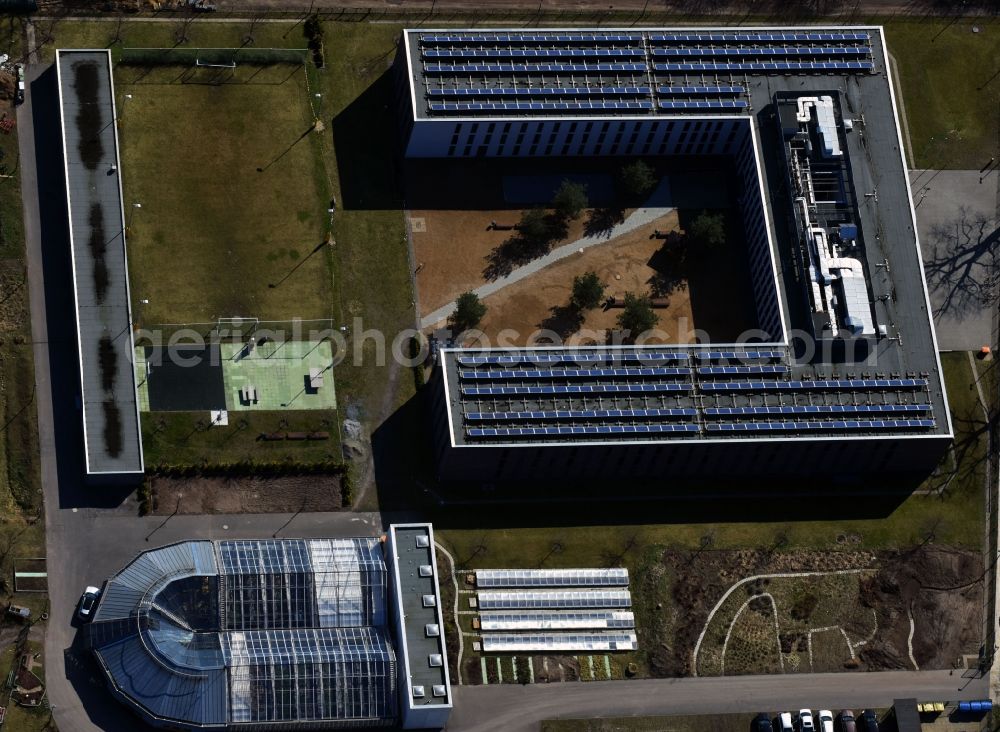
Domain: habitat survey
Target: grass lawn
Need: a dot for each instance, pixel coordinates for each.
(53, 33)
(187, 438)
(955, 515)
(233, 215)
(950, 79)
(166, 128)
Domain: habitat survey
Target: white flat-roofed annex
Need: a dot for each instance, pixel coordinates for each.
(96, 192)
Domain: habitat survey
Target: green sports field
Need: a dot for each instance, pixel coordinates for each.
(279, 374)
(232, 207)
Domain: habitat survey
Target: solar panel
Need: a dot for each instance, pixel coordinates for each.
(614, 576)
(769, 66)
(559, 642)
(556, 620)
(602, 430)
(756, 37)
(799, 426)
(573, 389)
(573, 357)
(490, 53)
(700, 89)
(475, 38)
(860, 384)
(703, 104)
(496, 68)
(765, 51)
(737, 355)
(487, 106)
(581, 414)
(722, 370)
(541, 91)
(553, 599)
(816, 409)
(511, 374)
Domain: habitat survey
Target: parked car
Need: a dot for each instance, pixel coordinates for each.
(869, 720)
(825, 720)
(87, 603)
(806, 721)
(785, 722)
(762, 723)
(20, 84)
(19, 611)
(847, 723)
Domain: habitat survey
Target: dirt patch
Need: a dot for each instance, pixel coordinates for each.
(446, 594)
(625, 264)
(246, 495)
(940, 589)
(941, 586)
(555, 668)
(451, 249)
(13, 297)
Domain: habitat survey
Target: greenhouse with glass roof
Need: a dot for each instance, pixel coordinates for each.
(268, 634)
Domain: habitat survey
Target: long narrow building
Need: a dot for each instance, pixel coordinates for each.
(108, 401)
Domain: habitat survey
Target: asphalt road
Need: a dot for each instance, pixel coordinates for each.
(515, 708)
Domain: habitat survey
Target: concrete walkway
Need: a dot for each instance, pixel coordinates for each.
(655, 207)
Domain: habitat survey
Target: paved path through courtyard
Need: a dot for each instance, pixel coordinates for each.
(655, 207)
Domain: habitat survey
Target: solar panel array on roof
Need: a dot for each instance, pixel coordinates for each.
(544, 37)
(615, 576)
(572, 357)
(531, 68)
(700, 90)
(593, 618)
(540, 63)
(817, 385)
(582, 414)
(544, 91)
(535, 106)
(808, 426)
(553, 599)
(759, 37)
(766, 51)
(721, 370)
(706, 104)
(770, 66)
(557, 620)
(815, 409)
(605, 430)
(559, 642)
(573, 389)
(509, 374)
(534, 53)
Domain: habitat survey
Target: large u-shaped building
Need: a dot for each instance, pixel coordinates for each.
(840, 374)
